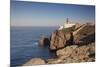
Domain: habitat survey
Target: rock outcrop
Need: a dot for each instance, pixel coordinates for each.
(69, 54)
(72, 45)
(74, 54)
(62, 38)
(34, 61)
(58, 39)
(83, 49)
(85, 34)
(43, 41)
(54, 40)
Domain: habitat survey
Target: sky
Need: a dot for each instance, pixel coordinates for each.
(49, 14)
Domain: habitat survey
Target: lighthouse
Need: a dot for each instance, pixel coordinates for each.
(67, 20)
(67, 24)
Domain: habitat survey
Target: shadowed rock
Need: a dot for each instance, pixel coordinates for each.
(85, 35)
(43, 41)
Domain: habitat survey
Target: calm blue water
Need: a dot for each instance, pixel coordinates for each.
(24, 44)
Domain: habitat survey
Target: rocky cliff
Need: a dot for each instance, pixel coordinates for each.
(72, 45)
(62, 38)
(81, 50)
(74, 54)
(58, 39)
(68, 54)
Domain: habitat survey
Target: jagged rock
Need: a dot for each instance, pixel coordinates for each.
(63, 37)
(92, 48)
(66, 51)
(77, 26)
(34, 61)
(77, 54)
(59, 39)
(82, 51)
(43, 41)
(85, 33)
(82, 34)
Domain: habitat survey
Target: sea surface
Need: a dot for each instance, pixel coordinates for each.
(24, 44)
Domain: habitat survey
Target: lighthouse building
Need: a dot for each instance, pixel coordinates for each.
(67, 24)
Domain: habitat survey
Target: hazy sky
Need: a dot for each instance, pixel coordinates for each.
(46, 14)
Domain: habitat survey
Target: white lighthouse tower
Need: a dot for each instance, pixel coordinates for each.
(67, 24)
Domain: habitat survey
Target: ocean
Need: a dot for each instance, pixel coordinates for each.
(24, 44)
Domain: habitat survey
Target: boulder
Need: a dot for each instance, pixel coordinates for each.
(34, 61)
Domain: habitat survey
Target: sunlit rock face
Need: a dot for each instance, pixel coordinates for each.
(58, 39)
(81, 33)
(34, 61)
(75, 54)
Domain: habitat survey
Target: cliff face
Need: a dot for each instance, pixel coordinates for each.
(61, 38)
(81, 50)
(58, 39)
